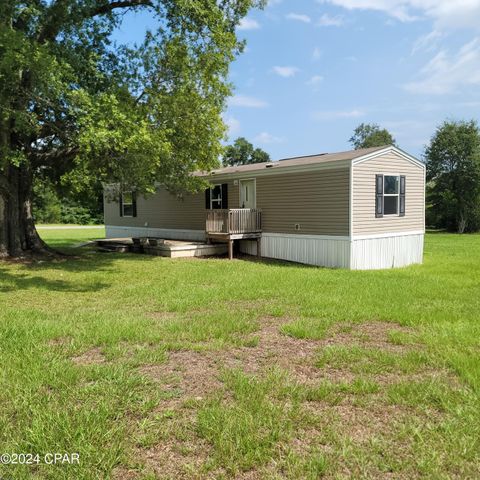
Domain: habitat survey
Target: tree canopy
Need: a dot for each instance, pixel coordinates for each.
(453, 175)
(78, 107)
(368, 135)
(242, 152)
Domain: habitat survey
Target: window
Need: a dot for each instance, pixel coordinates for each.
(128, 204)
(390, 195)
(216, 197)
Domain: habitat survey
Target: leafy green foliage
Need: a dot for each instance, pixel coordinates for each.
(75, 105)
(453, 175)
(242, 152)
(368, 135)
(50, 206)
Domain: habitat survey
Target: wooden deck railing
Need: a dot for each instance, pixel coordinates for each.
(234, 221)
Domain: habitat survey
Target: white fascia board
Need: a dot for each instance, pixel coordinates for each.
(390, 149)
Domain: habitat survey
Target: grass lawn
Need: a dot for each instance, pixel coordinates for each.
(158, 368)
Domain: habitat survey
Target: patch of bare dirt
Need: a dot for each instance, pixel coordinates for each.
(122, 473)
(190, 374)
(273, 348)
(59, 341)
(90, 357)
(179, 460)
(369, 334)
(362, 424)
(171, 458)
(196, 374)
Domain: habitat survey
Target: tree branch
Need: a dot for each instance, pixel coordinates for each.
(53, 25)
(54, 157)
(109, 7)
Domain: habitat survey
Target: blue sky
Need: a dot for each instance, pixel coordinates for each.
(314, 69)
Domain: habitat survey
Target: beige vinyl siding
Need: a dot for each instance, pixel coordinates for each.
(318, 201)
(364, 221)
(164, 210)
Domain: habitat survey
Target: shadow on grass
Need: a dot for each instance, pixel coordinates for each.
(10, 282)
(74, 260)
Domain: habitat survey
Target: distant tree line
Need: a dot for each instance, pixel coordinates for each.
(54, 203)
(452, 159)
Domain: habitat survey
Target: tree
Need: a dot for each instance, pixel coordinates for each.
(368, 135)
(77, 107)
(52, 204)
(242, 152)
(453, 176)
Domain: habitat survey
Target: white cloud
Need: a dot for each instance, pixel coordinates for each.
(286, 72)
(445, 13)
(447, 73)
(427, 43)
(271, 3)
(300, 17)
(315, 80)
(267, 138)
(327, 20)
(333, 115)
(246, 101)
(232, 124)
(248, 24)
(316, 54)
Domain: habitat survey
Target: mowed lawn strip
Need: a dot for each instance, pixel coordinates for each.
(158, 368)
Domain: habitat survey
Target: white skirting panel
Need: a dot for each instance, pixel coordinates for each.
(113, 231)
(320, 250)
(386, 252)
(357, 253)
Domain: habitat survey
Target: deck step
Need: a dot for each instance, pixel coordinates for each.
(113, 247)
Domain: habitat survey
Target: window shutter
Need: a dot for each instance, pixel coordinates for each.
(379, 196)
(134, 204)
(120, 201)
(207, 198)
(225, 195)
(402, 195)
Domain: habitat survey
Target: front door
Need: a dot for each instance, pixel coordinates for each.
(247, 194)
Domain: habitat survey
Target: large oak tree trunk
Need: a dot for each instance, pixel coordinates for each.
(18, 235)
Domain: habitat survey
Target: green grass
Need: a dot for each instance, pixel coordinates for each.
(62, 237)
(75, 334)
(371, 360)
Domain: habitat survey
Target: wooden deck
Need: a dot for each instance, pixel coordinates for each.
(234, 224)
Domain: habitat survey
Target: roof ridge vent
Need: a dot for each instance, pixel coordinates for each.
(303, 156)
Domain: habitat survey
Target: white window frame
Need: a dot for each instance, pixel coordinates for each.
(216, 200)
(240, 199)
(127, 203)
(397, 214)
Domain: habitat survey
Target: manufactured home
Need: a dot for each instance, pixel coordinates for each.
(361, 209)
